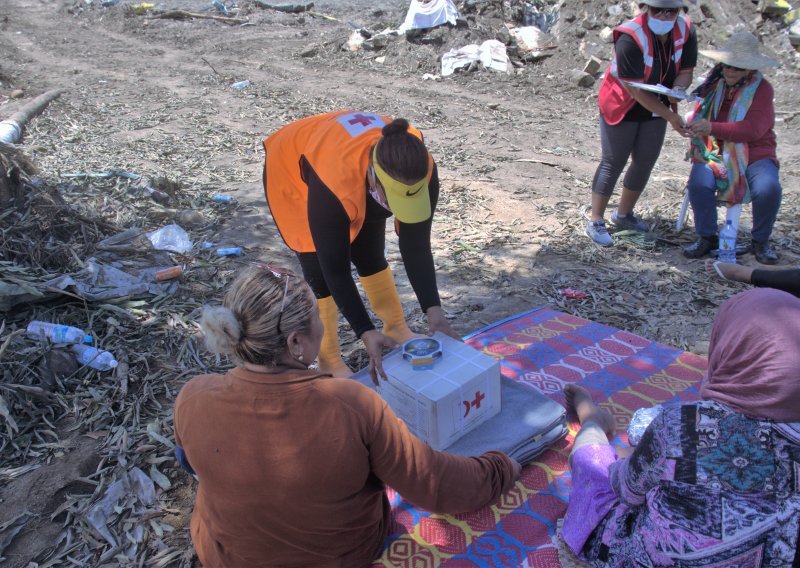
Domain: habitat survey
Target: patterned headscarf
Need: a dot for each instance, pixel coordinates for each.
(754, 355)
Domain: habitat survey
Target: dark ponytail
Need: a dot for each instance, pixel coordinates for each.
(401, 154)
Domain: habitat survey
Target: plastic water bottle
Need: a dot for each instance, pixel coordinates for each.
(727, 243)
(57, 333)
(230, 251)
(94, 358)
(223, 198)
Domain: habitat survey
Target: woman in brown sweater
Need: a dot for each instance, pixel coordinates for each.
(292, 464)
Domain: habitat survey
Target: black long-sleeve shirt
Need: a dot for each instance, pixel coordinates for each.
(330, 231)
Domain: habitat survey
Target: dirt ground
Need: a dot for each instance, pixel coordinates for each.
(516, 153)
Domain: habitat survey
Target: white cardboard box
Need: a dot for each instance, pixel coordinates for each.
(440, 405)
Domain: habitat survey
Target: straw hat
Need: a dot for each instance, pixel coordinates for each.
(663, 3)
(741, 51)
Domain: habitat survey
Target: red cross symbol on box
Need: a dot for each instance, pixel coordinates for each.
(479, 396)
(361, 119)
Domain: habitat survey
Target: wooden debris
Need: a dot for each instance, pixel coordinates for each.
(184, 15)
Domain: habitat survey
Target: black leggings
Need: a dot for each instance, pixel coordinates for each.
(640, 141)
(366, 253)
(787, 280)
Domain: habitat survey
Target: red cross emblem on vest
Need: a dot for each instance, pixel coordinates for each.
(476, 403)
(361, 119)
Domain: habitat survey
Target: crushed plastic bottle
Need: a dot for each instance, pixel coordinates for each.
(94, 358)
(727, 243)
(57, 333)
(223, 198)
(230, 251)
(241, 84)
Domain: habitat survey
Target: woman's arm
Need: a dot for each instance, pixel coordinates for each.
(759, 120)
(436, 481)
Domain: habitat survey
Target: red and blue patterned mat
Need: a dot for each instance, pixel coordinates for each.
(545, 349)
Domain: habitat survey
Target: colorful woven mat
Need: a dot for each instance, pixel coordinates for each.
(545, 349)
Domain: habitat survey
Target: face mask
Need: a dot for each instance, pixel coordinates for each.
(660, 27)
(374, 193)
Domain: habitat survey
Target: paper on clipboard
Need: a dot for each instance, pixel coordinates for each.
(662, 90)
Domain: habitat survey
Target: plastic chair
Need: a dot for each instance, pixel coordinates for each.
(731, 213)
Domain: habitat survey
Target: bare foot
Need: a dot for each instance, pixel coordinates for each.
(580, 402)
(728, 271)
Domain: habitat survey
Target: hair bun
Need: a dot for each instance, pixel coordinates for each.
(221, 328)
(397, 126)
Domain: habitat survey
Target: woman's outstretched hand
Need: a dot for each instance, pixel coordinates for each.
(376, 342)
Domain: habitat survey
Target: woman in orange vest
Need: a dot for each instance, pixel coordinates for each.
(331, 181)
(657, 47)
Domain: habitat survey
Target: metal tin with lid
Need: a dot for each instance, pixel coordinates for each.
(422, 352)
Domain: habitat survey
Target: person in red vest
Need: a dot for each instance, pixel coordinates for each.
(658, 47)
(331, 181)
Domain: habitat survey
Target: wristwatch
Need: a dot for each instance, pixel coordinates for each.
(422, 352)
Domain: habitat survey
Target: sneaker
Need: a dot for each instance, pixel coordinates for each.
(764, 253)
(629, 222)
(701, 247)
(596, 230)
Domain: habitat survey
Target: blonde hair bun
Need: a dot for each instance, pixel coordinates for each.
(221, 328)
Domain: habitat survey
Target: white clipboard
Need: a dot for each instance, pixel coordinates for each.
(662, 90)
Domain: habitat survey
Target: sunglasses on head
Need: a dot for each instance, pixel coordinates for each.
(732, 68)
(278, 273)
(667, 11)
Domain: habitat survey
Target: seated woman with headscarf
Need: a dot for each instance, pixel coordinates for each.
(733, 151)
(711, 483)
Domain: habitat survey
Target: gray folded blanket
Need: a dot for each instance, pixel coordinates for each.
(528, 423)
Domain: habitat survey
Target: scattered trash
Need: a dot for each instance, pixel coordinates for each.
(543, 19)
(220, 6)
(491, 54)
(356, 39)
(223, 198)
(431, 77)
(172, 238)
(169, 273)
(136, 484)
(241, 84)
(429, 14)
(141, 8)
(534, 44)
(57, 333)
(640, 420)
(574, 294)
(230, 251)
(288, 8)
(93, 357)
(206, 245)
(100, 282)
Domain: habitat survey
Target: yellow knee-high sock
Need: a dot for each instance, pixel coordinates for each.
(385, 301)
(330, 359)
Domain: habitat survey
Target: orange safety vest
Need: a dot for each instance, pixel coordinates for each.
(614, 98)
(337, 146)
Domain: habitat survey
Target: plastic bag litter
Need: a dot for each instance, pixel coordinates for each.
(640, 420)
(425, 15)
(491, 54)
(135, 483)
(100, 282)
(172, 238)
